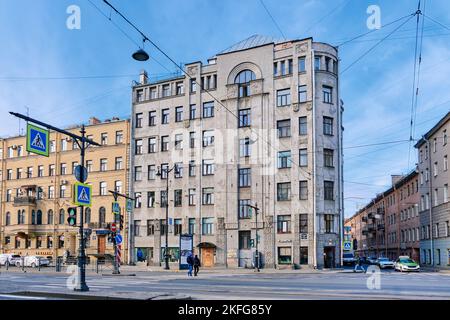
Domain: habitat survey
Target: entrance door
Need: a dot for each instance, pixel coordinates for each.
(207, 257)
(328, 256)
(101, 244)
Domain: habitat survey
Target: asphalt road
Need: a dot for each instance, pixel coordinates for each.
(327, 285)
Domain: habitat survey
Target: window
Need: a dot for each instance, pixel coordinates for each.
(178, 227)
(19, 151)
(328, 158)
(207, 226)
(192, 139)
(284, 255)
(178, 172)
(9, 174)
(61, 216)
(208, 138)
(303, 157)
(139, 117)
(104, 139)
(137, 173)
(193, 85)
(302, 94)
(150, 227)
(290, 66)
(435, 196)
(152, 145)
(118, 186)
(63, 145)
(328, 126)
(50, 217)
(103, 165)
(328, 190)
(89, 165)
(208, 167)
(191, 225)
(166, 90)
(283, 97)
(178, 141)
(191, 194)
(30, 172)
(208, 196)
(118, 163)
(178, 197)
(164, 169)
(284, 159)
(301, 64)
(51, 192)
(327, 94)
(303, 255)
(19, 173)
(153, 93)
(284, 224)
(303, 125)
(138, 146)
(244, 209)
(244, 240)
(74, 165)
(327, 63)
(329, 222)
(284, 191)
(435, 169)
(137, 228)
(180, 88)
(192, 168)
(243, 81)
(446, 192)
(317, 63)
(103, 188)
(8, 219)
(244, 118)
(63, 170)
(244, 147)
(275, 68)
(208, 110)
(137, 201)
(163, 199)
(178, 114)
(303, 191)
(62, 191)
(283, 67)
(152, 118)
(151, 199)
(303, 223)
(245, 178)
(445, 163)
(164, 143)
(151, 172)
(284, 128)
(165, 116)
(192, 111)
(8, 195)
(444, 141)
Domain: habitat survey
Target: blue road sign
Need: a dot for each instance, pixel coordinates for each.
(119, 239)
(129, 205)
(37, 140)
(347, 246)
(77, 173)
(82, 194)
(115, 207)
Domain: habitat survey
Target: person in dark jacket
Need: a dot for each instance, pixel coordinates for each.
(196, 265)
(190, 262)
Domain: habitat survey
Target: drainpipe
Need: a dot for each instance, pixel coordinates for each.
(430, 204)
(313, 79)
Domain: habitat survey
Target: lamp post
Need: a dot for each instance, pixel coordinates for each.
(256, 240)
(161, 172)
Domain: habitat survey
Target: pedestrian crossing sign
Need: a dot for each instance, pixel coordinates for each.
(82, 195)
(347, 245)
(37, 140)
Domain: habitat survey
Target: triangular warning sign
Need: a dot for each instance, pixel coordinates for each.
(83, 196)
(37, 141)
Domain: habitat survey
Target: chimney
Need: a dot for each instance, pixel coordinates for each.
(93, 120)
(143, 77)
(396, 178)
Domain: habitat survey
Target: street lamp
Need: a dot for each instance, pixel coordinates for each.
(140, 55)
(161, 173)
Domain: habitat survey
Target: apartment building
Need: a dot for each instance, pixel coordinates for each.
(36, 191)
(389, 225)
(433, 150)
(260, 124)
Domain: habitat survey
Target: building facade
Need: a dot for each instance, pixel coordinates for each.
(36, 191)
(260, 125)
(389, 225)
(433, 150)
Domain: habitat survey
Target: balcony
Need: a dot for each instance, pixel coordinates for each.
(381, 226)
(24, 201)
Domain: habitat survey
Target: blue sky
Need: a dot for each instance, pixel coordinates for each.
(36, 45)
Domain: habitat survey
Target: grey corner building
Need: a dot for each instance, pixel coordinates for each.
(259, 124)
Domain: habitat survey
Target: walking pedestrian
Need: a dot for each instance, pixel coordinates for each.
(190, 262)
(196, 265)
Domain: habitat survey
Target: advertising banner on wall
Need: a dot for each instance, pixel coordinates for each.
(186, 248)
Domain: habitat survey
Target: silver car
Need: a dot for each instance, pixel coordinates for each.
(385, 263)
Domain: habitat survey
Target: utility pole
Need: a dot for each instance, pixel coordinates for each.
(160, 173)
(256, 240)
(116, 195)
(83, 143)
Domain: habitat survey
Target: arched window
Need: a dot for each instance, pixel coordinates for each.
(50, 217)
(39, 217)
(243, 80)
(8, 219)
(33, 217)
(87, 216)
(101, 215)
(61, 216)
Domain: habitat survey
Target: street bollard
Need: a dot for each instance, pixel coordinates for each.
(7, 265)
(39, 264)
(23, 264)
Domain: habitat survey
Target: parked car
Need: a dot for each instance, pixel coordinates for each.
(4, 257)
(13, 259)
(33, 261)
(405, 263)
(348, 259)
(372, 260)
(385, 263)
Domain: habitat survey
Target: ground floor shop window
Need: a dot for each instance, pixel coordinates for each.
(174, 254)
(284, 255)
(143, 254)
(303, 255)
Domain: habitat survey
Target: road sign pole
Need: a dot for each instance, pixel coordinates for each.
(116, 263)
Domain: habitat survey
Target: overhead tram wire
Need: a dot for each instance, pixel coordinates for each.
(379, 42)
(273, 19)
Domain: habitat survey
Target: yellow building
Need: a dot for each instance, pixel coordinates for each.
(36, 191)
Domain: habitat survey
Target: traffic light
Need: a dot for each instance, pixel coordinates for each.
(121, 222)
(72, 219)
